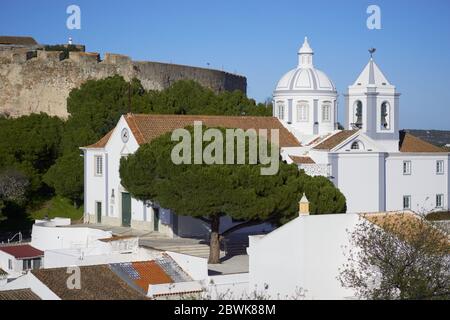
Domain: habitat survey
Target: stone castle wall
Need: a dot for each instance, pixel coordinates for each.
(33, 81)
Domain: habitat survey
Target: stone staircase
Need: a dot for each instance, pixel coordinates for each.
(191, 247)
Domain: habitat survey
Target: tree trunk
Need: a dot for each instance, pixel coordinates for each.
(214, 244)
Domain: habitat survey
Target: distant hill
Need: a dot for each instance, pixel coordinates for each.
(439, 138)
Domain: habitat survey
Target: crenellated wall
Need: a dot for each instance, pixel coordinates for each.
(33, 81)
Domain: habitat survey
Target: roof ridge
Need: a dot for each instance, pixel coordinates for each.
(131, 116)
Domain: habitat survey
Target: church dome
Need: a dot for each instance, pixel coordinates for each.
(305, 77)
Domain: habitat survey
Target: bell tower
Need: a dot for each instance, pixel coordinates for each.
(372, 106)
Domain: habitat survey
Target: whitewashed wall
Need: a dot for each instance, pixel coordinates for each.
(422, 185)
(195, 267)
(360, 177)
(50, 238)
(303, 254)
(29, 281)
(16, 264)
(228, 287)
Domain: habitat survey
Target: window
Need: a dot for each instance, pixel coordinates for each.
(281, 111)
(37, 263)
(440, 167)
(439, 200)
(406, 202)
(98, 165)
(27, 264)
(10, 264)
(302, 112)
(406, 168)
(326, 113)
(385, 116)
(358, 114)
(355, 145)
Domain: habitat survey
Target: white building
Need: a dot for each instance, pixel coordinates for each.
(376, 166)
(305, 99)
(106, 201)
(316, 252)
(17, 259)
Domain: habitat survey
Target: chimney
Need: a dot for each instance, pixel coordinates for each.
(303, 206)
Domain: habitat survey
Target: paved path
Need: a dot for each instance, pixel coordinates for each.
(236, 264)
(117, 231)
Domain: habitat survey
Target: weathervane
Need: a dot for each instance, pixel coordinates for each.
(372, 51)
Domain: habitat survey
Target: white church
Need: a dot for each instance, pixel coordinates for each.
(376, 167)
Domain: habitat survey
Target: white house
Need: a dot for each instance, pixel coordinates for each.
(315, 245)
(17, 259)
(318, 247)
(374, 164)
(107, 202)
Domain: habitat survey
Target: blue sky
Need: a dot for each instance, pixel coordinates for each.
(260, 39)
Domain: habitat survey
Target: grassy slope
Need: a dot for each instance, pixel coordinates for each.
(58, 207)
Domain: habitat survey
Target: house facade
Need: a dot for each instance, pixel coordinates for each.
(18, 259)
(374, 164)
(106, 201)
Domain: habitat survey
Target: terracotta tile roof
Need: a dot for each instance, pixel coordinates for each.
(18, 294)
(302, 160)
(21, 41)
(150, 273)
(22, 251)
(335, 140)
(102, 142)
(146, 127)
(410, 143)
(407, 225)
(97, 283)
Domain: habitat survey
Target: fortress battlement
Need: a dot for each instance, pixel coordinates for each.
(34, 80)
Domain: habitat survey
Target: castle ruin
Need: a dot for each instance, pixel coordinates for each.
(34, 80)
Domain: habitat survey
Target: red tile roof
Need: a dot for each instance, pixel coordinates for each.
(150, 273)
(146, 127)
(335, 140)
(410, 143)
(102, 142)
(22, 251)
(302, 160)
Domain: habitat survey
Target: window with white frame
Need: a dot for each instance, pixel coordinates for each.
(98, 165)
(302, 112)
(406, 202)
(280, 111)
(326, 113)
(406, 168)
(440, 167)
(10, 264)
(439, 200)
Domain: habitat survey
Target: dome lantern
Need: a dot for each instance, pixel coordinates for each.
(305, 55)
